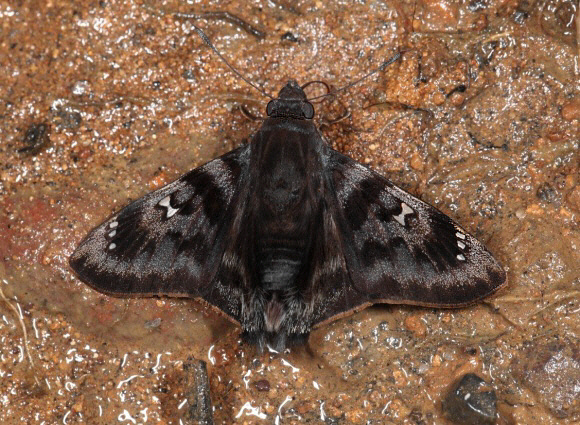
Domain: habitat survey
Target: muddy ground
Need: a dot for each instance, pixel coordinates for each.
(104, 101)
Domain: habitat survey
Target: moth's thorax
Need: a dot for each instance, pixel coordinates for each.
(289, 153)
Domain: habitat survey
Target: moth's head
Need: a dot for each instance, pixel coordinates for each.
(291, 103)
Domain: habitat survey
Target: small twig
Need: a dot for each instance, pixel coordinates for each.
(224, 16)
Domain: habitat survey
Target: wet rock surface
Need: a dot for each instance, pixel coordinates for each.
(550, 367)
(479, 118)
(471, 402)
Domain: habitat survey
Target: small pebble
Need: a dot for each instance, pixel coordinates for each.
(438, 99)
(80, 87)
(470, 402)
(152, 324)
(571, 110)
(262, 385)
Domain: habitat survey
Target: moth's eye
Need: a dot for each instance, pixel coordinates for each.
(307, 110)
(271, 106)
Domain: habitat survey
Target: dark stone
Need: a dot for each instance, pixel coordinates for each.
(471, 402)
(188, 74)
(36, 137)
(520, 16)
(416, 418)
(547, 193)
(262, 385)
(67, 118)
(288, 36)
(476, 5)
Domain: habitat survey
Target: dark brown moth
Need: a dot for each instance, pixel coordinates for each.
(284, 234)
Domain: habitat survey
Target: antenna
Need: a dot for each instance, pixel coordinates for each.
(382, 67)
(207, 41)
(220, 15)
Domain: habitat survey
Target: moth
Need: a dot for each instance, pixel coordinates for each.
(284, 234)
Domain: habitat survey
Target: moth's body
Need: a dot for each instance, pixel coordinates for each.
(283, 215)
(284, 234)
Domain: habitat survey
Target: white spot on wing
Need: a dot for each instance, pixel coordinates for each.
(113, 224)
(406, 210)
(112, 246)
(113, 233)
(460, 257)
(460, 235)
(166, 202)
(461, 245)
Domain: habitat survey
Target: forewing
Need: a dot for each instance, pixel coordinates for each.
(171, 241)
(399, 249)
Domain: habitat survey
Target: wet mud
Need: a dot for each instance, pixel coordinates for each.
(104, 101)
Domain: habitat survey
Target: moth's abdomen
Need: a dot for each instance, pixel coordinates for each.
(280, 265)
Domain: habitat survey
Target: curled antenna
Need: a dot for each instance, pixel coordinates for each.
(207, 41)
(382, 67)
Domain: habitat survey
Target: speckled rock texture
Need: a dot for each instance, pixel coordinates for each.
(104, 101)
